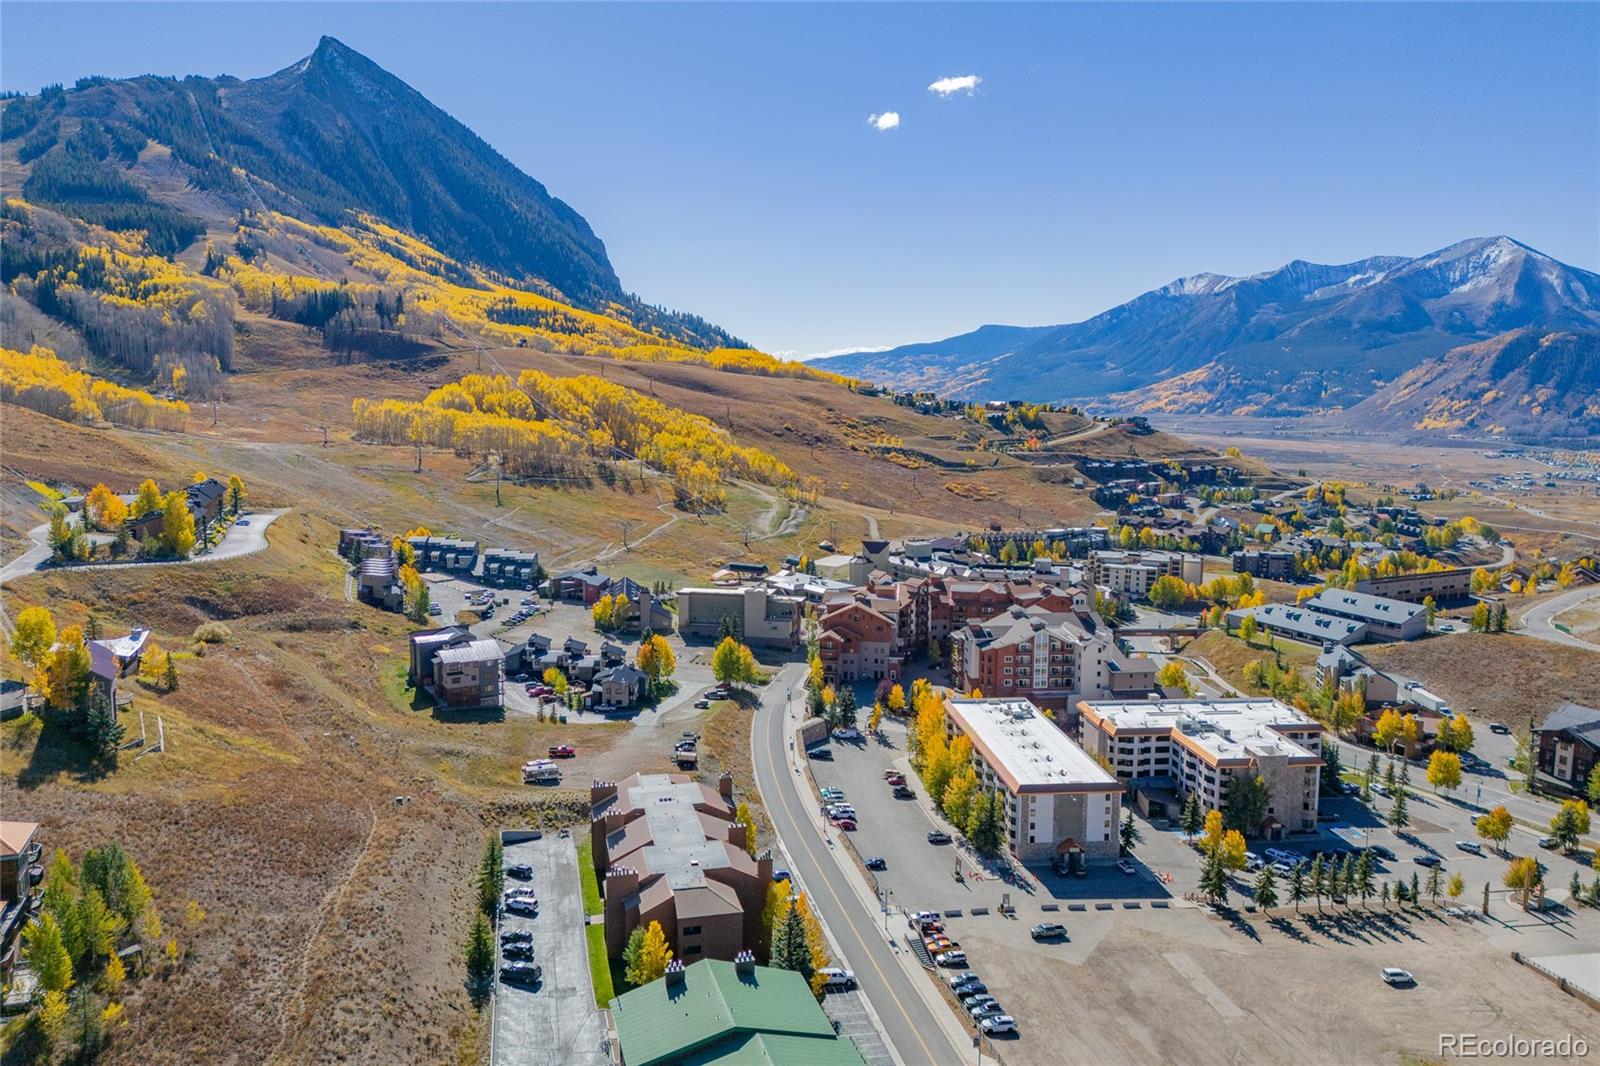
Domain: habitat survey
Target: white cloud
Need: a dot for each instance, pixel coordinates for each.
(846, 351)
(965, 83)
(889, 120)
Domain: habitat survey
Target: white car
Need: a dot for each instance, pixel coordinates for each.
(1125, 866)
(953, 957)
(835, 979)
(1470, 846)
(1393, 975)
(1004, 1023)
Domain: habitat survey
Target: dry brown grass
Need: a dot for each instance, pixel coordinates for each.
(725, 745)
(1497, 676)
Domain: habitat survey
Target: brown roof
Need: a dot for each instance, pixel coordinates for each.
(14, 836)
(710, 898)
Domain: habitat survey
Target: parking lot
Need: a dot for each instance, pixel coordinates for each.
(554, 1023)
(559, 620)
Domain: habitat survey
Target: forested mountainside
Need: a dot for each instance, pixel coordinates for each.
(142, 213)
(1306, 337)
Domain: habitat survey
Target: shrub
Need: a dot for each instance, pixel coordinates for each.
(212, 633)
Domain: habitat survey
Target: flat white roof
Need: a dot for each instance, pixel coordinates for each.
(475, 652)
(1228, 729)
(1027, 749)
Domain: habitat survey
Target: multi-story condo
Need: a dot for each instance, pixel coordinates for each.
(1274, 565)
(1197, 746)
(754, 612)
(1131, 573)
(1385, 619)
(1442, 585)
(1061, 805)
(1050, 658)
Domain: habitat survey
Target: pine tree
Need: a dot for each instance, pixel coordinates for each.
(630, 953)
(1399, 817)
(169, 677)
(1129, 836)
(480, 952)
(1318, 880)
(1214, 880)
(102, 730)
(1416, 887)
(1192, 817)
(1433, 883)
(844, 708)
(1297, 885)
(1266, 891)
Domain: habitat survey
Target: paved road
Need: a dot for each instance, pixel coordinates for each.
(241, 539)
(917, 1033)
(1539, 621)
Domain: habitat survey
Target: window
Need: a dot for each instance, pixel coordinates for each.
(690, 930)
(691, 949)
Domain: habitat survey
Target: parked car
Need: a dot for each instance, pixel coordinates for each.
(1125, 866)
(523, 906)
(519, 950)
(919, 917)
(938, 836)
(846, 824)
(877, 862)
(1384, 852)
(780, 875)
(901, 792)
(1393, 975)
(976, 998)
(836, 980)
(826, 754)
(520, 870)
(1048, 931)
(562, 751)
(970, 989)
(891, 772)
(832, 793)
(1426, 860)
(963, 980)
(847, 733)
(515, 936)
(987, 1011)
(522, 973)
(1499, 727)
(1547, 842)
(1471, 846)
(1000, 1023)
(954, 957)
(896, 779)
(1327, 816)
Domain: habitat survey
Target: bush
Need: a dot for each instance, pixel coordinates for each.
(212, 633)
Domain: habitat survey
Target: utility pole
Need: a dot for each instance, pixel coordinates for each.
(324, 435)
(625, 527)
(499, 468)
(419, 455)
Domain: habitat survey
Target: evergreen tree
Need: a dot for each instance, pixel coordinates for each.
(844, 708)
(1214, 880)
(630, 953)
(1297, 885)
(1365, 881)
(480, 952)
(1192, 817)
(102, 731)
(1129, 835)
(169, 676)
(1319, 882)
(1266, 891)
(1399, 816)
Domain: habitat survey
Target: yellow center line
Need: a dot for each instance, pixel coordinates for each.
(805, 842)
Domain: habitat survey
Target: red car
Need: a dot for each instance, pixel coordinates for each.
(896, 779)
(562, 751)
(847, 824)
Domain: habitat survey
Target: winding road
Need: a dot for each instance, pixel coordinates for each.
(1540, 619)
(921, 1037)
(245, 537)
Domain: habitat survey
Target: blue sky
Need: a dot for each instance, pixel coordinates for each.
(724, 153)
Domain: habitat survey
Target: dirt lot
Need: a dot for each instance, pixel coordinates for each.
(1180, 986)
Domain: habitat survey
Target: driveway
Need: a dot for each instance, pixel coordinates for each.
(1540, 619)
(245, 537)
(556, 1022)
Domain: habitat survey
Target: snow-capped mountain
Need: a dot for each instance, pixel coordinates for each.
(1304, 337)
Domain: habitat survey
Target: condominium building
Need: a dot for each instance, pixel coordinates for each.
(1050, 658)
(858, 642)
(1384, 618)
(1061, 805)
(1301, 623)
(1442, 585)
(1197, 746)
(667, 849)
(1273, 565)
(1131, 573)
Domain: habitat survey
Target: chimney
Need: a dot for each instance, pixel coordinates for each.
(725, 786)
(744, 964)
(674, 975)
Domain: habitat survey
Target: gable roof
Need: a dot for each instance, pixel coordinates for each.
(716, 1007)
(14, 836)
(1582, 722)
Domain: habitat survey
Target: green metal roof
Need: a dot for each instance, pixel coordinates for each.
(718, 1015)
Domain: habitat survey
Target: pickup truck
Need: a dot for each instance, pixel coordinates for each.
(562, 751)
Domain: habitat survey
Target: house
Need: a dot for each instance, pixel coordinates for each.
(1062, 805)
(1568, 743)
(21, 872)
(112, 660)
(457, 668)
(1197, 746)
(145, 527)
(378, 583)
(206, 499)
(584, 585)
(667, 849)
(620, 686)
(359, 544)
(728, 1012)
(1341, 668)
